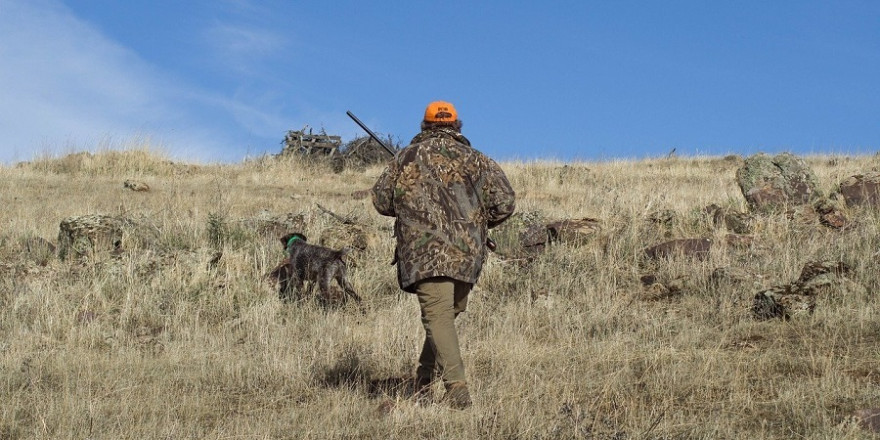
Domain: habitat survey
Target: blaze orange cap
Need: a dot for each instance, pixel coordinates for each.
(440, 111)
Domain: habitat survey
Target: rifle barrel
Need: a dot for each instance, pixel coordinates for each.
(370, 132)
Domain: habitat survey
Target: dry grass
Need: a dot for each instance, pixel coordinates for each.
(159, 343)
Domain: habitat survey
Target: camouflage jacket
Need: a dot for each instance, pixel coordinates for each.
(445, 195)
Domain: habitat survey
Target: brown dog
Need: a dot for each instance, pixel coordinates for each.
(315, 264)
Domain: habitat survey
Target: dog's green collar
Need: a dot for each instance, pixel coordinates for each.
(292, 239)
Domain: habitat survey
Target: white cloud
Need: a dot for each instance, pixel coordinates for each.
(64, 83)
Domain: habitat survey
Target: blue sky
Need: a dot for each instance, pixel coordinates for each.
(222, 80)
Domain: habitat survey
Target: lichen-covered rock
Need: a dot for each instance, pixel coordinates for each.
(271, 225)
(524, 233)
(345, 235)
(781, 302)
(577, 230)
(697, 248)
(830, 215)
(136, 186)
(91, 235)
(770, 184)
(862, 190)
(816, 268)
(869, 419)
(817, 279)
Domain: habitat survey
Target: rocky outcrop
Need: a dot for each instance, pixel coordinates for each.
(91, 234)
(817, 279)
(697, 248)
(771, 184)
(862, 190)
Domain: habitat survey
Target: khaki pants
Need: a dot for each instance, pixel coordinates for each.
(441, 300)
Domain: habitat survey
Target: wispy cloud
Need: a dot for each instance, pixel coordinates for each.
(238, 41)
(65, 83)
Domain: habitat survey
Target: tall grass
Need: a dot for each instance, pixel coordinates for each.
(182, 336)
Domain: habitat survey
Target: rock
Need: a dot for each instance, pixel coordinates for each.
(343, 235)
(818, 279)
(815, 268)
(686, 247)
(573, 230)
(869, 419)
(520, 235)
(780, 302)
(803, 215)
(772, 184)
(136, 186)
(862, 190)
(91, 234)
(271, 225)
(830, 215)
(526, 234)
(534, 238)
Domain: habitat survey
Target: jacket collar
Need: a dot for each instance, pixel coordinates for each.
(440, 132)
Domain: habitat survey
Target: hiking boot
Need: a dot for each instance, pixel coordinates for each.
(457, 396)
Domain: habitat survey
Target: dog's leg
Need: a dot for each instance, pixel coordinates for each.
(324, 286)
(342, 280)
(282, 273)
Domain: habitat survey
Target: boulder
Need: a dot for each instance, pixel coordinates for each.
(573, 230)
(272, 225)
(817, 279)
(523, 234)
(528, 234)
(830, 215)
(348, 235)
(862, 190)
(781, 302)
(697, 248)
(91, 234)
(770, 184)
(136, 186)
(869, 419)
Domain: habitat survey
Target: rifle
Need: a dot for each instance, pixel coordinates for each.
(370, 132)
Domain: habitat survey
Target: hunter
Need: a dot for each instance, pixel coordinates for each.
(445, 196)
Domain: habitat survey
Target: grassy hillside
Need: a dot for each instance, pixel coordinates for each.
(178, 334)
